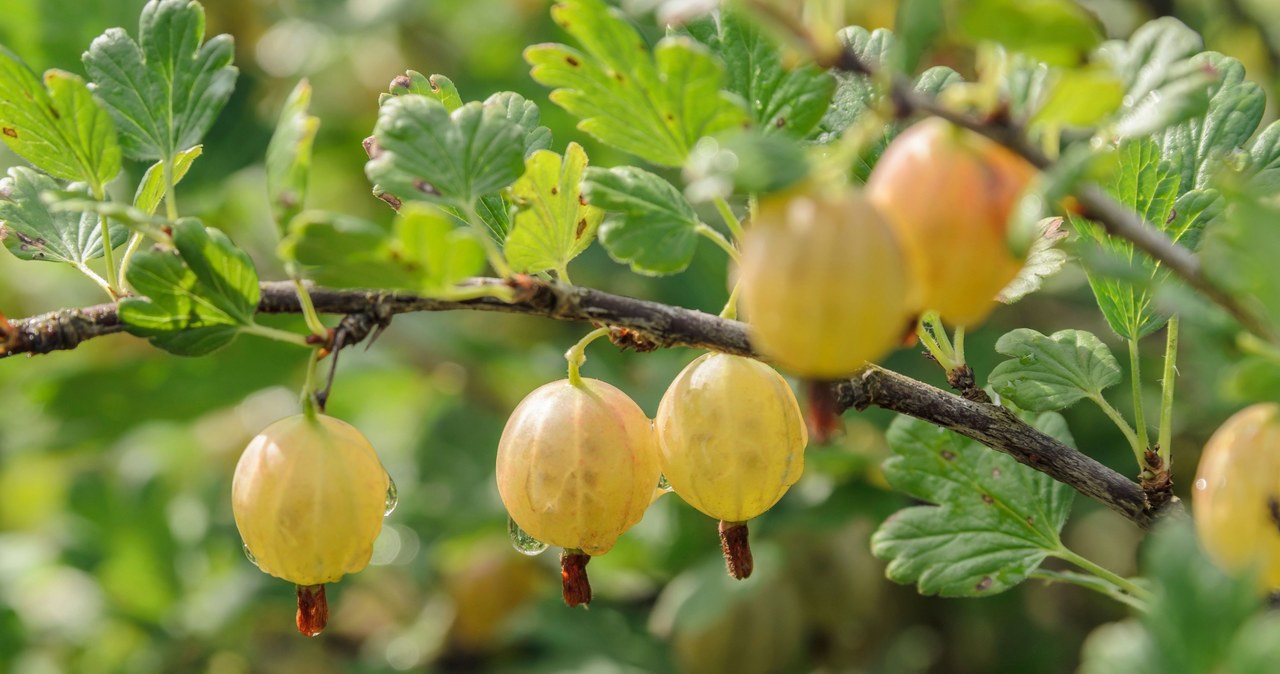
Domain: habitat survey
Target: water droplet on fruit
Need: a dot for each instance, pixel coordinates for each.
(522, 541)
(1202, 484)
(664, 484)
(248, 554)
(393, 497)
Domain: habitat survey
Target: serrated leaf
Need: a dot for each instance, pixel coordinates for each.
(1053, 372)
(648, 223)
(197, 300)
(151, 188)
(1044, 259)
(554, 223)
(429, 154)
(289, 155)
(1059, 32)
(1235, 110)
(1145, 182)
(526, 115)
(165, 91)
(1147, 60)
(781, 100)
(994, 520)
(1184, 97)
(438, 87)
(655, 105)
(1264, 161)
(57, 125)
(855, 94)
(31, 230)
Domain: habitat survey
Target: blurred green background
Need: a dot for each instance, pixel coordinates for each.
(117, 548)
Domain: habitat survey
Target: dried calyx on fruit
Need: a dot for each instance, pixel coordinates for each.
(732, 442)
(1236, 498)
(948, 193)
(825, 285)
(576, 468)
(309, 496)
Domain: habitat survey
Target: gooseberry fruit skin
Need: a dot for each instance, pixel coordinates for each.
(577, 464)
(731, 436)
(948, 193)
(309, 494)
(825, 285)
(1237, 493)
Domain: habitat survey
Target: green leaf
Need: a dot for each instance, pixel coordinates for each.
(1235, 110)
(781, 100)
(919, 23)
(1058, 32)
(554, 223)
(526, 115)
(289, 155)
(1264, 161)
(198, 299)
(1118, 648)
(427, 240)
(1053, 372)
(649, 223)
(653, 105)
(1240, 252)
(1080, 97)
(428, 154)
(1147, 183)
(424, 252)
(151, 188)
(1044, 259)
(61, 128)
(438, 87)
(744, 163)
(32, 230)
(165, 92)
(994, 521)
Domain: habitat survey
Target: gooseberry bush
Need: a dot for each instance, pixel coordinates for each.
(868, 202)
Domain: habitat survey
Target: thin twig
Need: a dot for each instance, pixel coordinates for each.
(661, 325)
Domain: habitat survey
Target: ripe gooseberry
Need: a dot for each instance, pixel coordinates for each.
(949, 192)
(309, 495)
(824, 284)
(577, 464)
(732, 442)
(1236, 496)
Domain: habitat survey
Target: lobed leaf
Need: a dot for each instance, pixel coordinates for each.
(649, 224)
(198, 298)
(165, 90)
(56, 125)
(554, 223)
(782, 100)
(994, 520)
(1052, 372)
(32, 230)
(654, 104)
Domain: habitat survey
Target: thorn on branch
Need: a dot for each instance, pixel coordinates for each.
(628, 339)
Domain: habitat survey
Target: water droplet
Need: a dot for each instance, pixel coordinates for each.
(393, 497)
(664, 484)
(1202, 483)
(248, 554)
(522, 541)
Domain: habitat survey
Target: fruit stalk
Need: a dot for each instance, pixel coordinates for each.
(737, 549)
(573, 576)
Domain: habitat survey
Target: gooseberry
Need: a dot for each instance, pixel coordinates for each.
(824, 284)
(948, 193)
(732, 442)
(309, 495)
(1236, 495)
(577, 465)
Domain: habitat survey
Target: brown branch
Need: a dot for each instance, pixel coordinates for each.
(655, 324)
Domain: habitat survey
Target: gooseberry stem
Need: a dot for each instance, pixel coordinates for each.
(730, 310)
(1128, 586)
(573, 577)
(310, 404)
(730, 220)
(931, 334)
(718, 239)
(737, 549)
(1139, 416)
(309, 314)
(496, 260)
(577, 354)
(1165, 438)
(313, 610)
